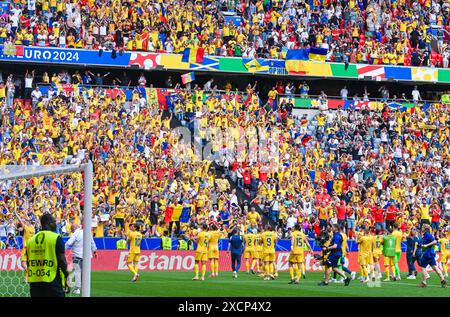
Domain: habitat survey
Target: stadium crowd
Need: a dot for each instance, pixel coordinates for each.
(346, 166)
(406, 32)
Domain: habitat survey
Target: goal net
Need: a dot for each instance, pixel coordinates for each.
(26, 192)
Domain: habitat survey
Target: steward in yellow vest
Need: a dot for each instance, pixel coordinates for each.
(46, 261)
(166, 243)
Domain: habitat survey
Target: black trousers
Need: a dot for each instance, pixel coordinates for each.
(42, 289)
(389, 223)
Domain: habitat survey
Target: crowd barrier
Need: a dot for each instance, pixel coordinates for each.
(164, 97)
(155, 244)
(275, 67)
(115, 260)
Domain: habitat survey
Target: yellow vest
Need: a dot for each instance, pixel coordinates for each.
(166, 243)
(121, 245)
(41, 257)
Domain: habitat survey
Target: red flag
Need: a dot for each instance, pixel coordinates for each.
(168, 215)
(19, 50)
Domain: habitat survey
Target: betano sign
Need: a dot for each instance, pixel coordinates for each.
(115, 260)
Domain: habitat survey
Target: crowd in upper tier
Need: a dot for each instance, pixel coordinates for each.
(354, 167)
(400, 32)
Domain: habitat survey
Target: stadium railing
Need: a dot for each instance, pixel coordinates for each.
(109, 243)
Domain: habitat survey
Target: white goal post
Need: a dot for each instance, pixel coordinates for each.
(12, 172)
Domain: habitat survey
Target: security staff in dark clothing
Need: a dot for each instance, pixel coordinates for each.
(236, 246)
(46, 261)
(335, 253)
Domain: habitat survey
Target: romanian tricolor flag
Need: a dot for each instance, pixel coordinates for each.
(318, 54)
(177, 212)
(187, 78)
(193, 55)
(173, 213)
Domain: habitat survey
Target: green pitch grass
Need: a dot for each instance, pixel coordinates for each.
(179, 284)
(166, 284)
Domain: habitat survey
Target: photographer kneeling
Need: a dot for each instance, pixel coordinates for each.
(335, 253)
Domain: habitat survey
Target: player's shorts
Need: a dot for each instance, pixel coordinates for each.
(365, 258)
(269, 257)
(296, 258)
(213, 254)
(133, 257)
(333, 260)
(424, 261)
(389, 260)
(249, 254)
(377, 255)
(444, 258)
(257, 255)
(201, 256)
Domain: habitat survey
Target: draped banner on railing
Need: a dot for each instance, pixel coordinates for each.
(116, 260)
(299, 102)
(164, 61)
(109, 243)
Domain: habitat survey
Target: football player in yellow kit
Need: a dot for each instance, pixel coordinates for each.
(201, 253)
(377, 252)
(250, 245)
(257, 263)
(28, 231)
(297, 255)
(213, 250)
(134, 239)
(445, 252)
(365, 254)
(269, 240)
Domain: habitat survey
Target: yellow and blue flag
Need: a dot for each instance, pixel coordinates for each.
(256, 65)
(317, 54)
(295, 60)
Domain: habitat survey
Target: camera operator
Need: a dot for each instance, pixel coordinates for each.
(335, 253)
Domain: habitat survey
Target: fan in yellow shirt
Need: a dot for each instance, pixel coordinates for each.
(134, 239)
(201, 254)
(213, 250)
(297, 255)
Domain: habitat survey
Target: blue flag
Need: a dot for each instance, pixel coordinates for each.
(185, 214)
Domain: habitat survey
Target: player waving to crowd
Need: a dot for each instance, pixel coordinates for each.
(213, 250)
(134, 239)
(297, 255)
(201, 254)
